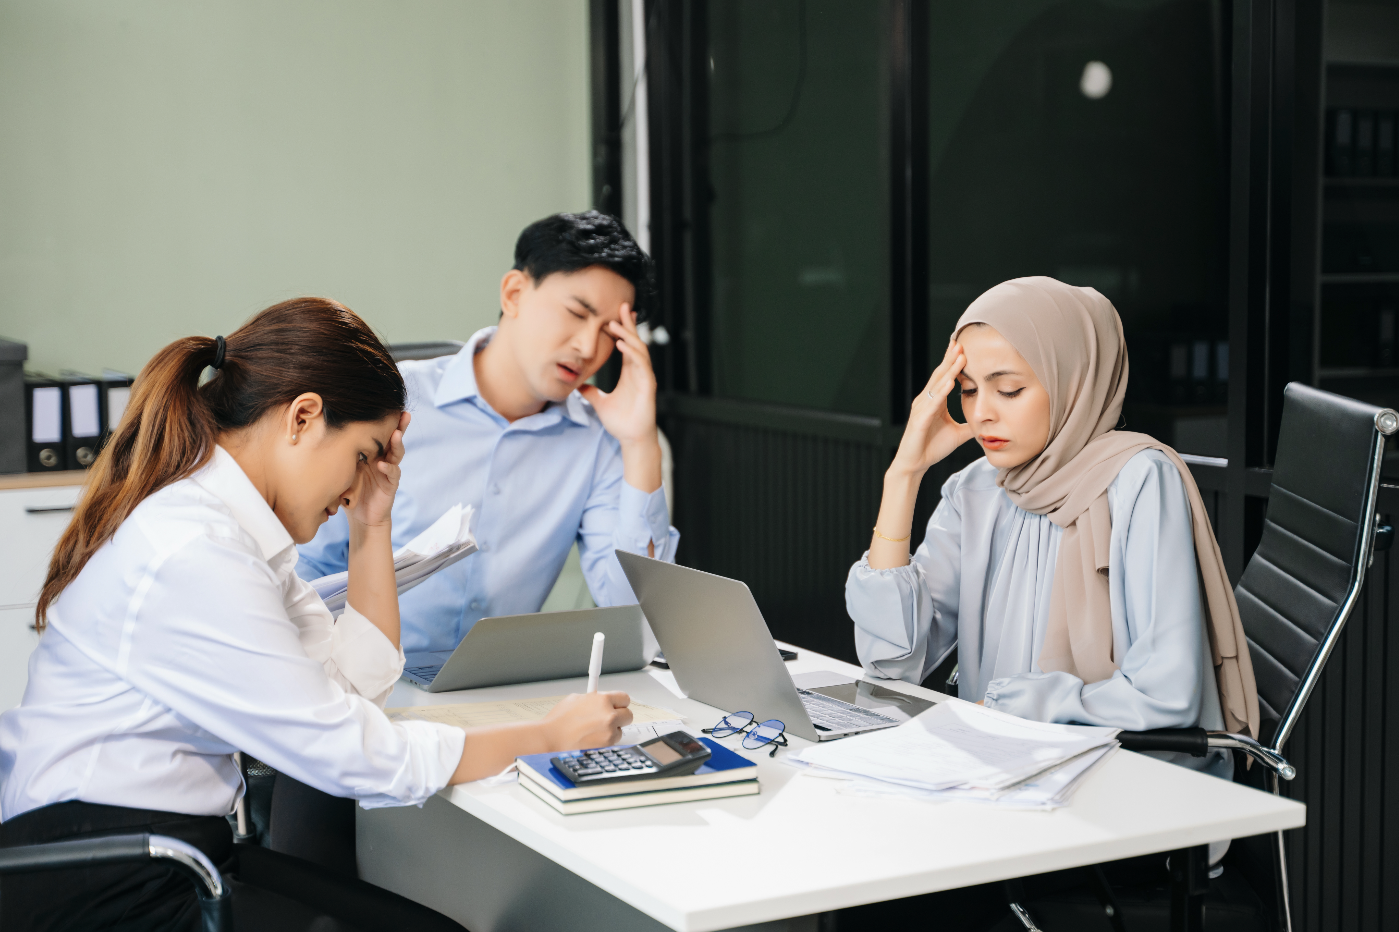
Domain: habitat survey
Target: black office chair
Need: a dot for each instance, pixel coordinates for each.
(215, 897)
(1320, 535)
(430, 350)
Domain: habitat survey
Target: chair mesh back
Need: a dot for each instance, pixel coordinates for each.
(1298, 577)
(403, 351)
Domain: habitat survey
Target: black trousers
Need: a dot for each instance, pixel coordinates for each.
(272, 892)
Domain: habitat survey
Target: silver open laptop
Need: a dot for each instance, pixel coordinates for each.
(722, 654)
(529, 648)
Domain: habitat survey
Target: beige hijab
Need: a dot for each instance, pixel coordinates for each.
(1072, 339)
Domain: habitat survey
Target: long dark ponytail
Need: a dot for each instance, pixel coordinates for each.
(172, 422)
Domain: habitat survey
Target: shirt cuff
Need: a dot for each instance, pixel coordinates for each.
(365, 657)
(642, 518)
(434, 753)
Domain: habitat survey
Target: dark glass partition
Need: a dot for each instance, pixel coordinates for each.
(797, 240)
(1086, 140)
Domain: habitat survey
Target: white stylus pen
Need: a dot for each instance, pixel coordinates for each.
(595, 662)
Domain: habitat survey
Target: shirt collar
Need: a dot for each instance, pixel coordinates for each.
(459, 383)
(459, 378)
(225, 479)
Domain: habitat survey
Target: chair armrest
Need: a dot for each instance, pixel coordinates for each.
(1192, 741)
(82, 852)
(1197, 743)
(115, 849)
(1265, 756)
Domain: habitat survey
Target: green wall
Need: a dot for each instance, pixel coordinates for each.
(168, 167)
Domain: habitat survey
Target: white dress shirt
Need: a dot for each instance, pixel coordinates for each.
(189, 636)
(538, 484)
(981, 580)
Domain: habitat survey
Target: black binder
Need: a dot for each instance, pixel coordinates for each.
(13, 446)
(83, 433)
(1364, 143)
(45, 419)
(1384, 144)
(1340, 147)
(116, 392)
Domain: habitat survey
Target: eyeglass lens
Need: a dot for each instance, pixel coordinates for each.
(731, 724)
(763, 733)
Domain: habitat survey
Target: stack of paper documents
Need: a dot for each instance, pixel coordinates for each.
(957, 750)
(447, 541)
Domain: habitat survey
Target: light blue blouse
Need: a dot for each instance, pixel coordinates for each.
(981, 580)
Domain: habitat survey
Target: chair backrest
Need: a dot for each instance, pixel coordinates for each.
(430, 350)
(1300, 585)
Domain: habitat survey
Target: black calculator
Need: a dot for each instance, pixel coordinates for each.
(672, 755)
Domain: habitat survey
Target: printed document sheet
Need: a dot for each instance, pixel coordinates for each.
(958, 744)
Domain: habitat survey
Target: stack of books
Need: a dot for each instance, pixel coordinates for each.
(724, 774)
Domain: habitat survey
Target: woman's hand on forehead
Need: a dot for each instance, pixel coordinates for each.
(932, 433)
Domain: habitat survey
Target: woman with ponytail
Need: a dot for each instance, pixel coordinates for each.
(176, 632)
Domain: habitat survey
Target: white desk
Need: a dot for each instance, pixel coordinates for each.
(496, 858)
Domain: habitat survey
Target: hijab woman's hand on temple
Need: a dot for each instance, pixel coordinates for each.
(932, 433)
(930, 436)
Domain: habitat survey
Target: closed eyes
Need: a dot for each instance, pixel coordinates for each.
(968, 392)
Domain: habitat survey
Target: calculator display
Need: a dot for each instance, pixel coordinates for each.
(661, 752)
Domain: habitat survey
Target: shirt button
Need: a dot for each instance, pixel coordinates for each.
(483, 546)
(475, 606)
(495, 489)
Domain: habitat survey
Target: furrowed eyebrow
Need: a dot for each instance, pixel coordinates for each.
(588, 307)
(998, 374)
(380, 446)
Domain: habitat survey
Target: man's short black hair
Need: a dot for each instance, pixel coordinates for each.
(573, 242)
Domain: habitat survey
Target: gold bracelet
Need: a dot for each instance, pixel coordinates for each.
(893, 540)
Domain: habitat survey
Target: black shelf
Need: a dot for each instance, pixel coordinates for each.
(1359, 278)
(1356, 372)
(1354, 182)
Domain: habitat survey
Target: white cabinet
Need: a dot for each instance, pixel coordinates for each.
(17, 641)
(31, 521)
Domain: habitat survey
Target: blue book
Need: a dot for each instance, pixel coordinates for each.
(723, 766)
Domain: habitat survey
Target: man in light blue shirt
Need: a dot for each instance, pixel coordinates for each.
(508, 426)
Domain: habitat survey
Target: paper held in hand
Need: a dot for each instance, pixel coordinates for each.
(447, 541)
(958, 750)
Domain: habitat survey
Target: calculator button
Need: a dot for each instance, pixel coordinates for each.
(609, 768)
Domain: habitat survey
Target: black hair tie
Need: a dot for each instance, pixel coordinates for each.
(219, 346)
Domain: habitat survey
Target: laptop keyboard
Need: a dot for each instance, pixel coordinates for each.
(833, 715)
(426, 674)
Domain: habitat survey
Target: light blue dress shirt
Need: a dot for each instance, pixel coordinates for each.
(537, 485)
(981, 582)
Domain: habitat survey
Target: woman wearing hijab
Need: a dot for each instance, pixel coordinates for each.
(1073, 568)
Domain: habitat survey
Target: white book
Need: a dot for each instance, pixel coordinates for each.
(637, 800)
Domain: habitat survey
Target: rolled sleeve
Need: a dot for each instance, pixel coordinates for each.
(644, 519)
(363, 655)
(620, 517)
